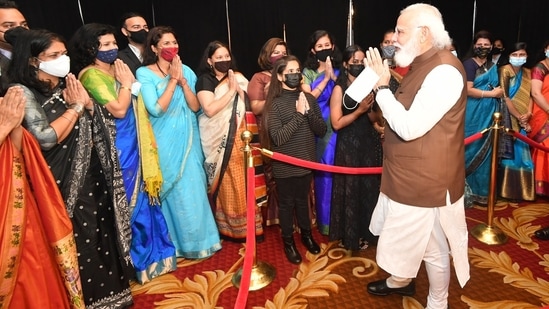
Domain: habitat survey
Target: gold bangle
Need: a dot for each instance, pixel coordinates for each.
(127, 88)
(76, 113)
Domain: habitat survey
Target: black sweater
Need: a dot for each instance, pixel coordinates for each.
(293, 133)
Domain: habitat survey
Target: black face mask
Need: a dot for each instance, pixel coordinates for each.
(222, 66)
(497, 50)
(321, 55)
(138, 37)
(292, 80)
(481, 52)
(355, 69)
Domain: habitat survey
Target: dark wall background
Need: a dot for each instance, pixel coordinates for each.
(252, 22)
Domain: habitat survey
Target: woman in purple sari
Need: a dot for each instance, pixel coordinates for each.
(319, 78)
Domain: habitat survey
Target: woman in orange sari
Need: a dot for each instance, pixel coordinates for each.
(539, 122)
(540, 129)
(222, 97)
(37, 244)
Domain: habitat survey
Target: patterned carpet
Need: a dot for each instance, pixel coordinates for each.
(510, 276)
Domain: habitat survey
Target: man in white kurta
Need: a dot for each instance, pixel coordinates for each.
(420, 213)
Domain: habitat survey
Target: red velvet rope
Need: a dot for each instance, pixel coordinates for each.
(323, 167)
(243, 291)
(528, 140)
(342, 169)
(244, 288)
(468, 140)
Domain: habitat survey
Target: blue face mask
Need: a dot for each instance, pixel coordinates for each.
(107, 56)
(547, 53)
(517, 61)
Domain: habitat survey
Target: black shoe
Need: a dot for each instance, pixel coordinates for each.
(380, 288)
(291, 251)
(309, 242)
(542, 234)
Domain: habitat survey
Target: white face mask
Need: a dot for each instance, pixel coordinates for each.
(59, 67)
(455, 53)
(517, 61)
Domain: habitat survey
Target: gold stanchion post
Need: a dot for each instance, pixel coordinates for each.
(263, 273)
(486, 233)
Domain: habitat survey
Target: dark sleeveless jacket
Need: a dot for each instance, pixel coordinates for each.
(420, 172)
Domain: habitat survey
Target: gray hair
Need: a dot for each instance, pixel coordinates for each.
(429, 16)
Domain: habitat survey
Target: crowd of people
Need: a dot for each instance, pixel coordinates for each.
(118, 162)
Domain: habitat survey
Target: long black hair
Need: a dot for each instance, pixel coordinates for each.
(275, 89)
(26, 48)
(348, 53)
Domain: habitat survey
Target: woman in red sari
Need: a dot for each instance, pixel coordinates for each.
(37, 244)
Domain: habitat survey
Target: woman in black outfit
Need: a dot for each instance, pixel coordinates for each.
(292, 119)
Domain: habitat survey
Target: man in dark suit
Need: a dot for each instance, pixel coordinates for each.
(10, 17)
(135, 29)
(497, 50)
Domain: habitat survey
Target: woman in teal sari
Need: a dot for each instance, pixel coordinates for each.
(321, 69)
(109, 82)
(483, 97)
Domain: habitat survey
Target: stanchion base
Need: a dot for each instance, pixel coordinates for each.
(262, 275)
(489, 235)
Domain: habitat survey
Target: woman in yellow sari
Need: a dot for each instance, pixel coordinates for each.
(517, 173)
(221, 94)
(37, 243)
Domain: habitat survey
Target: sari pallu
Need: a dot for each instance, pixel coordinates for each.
(326, 155)
(87, 172)
(222, 145)
(540, 133)
(152, 251)
(478, 116)
(516, 175)
(37, 246)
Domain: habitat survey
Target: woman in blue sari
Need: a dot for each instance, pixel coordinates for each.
(94, 49)
(321, 70)
(483, 97)
(167, 87)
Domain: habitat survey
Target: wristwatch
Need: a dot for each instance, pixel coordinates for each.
(378, 88)
(78, 108)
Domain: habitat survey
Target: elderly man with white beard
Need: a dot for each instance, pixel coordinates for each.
(420, 212)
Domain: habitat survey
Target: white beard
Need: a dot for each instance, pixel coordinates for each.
(404, 55)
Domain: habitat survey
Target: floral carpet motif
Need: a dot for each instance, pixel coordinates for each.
(512, 275)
